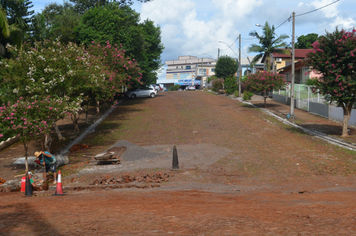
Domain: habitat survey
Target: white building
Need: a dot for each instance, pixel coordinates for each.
(189, 70)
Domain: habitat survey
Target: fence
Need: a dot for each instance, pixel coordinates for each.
(303, 96)
(306, 100)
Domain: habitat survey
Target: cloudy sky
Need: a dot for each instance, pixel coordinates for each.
(195, 27)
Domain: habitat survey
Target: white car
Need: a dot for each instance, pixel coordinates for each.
(191, 88)
(142, 92)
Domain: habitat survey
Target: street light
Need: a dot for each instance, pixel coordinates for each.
(238, 64)
(258, 25)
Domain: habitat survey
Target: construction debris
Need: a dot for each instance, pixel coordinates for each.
(127, 178)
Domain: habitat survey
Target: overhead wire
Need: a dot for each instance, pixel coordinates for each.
(317, 9)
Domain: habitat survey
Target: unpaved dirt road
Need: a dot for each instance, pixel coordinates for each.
(265, 179)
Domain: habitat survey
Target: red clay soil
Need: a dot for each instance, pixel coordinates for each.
(272, 180)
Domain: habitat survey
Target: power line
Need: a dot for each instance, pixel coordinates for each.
(317, 9)
(283, 22)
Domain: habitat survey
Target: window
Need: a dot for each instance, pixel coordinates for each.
(213, 70)
(200, 71)
(188, 67)
(175, 76)
(184, 76)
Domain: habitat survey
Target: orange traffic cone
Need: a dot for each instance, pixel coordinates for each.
(59, 190)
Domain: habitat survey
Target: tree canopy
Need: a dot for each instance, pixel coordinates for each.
(264, 82)
(15, 17)
(333, 55)
(306, 41)
(121, 26)
(269, 42)
(225, 67)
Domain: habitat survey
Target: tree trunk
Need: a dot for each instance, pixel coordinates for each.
(347, 113)
(26, 154)
(87, 113)
(60, 137)
(48, 142)
(75, 117)
(265, 98)
(97, 107)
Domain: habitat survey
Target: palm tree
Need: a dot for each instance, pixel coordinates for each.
(4, 25)
(269, 43)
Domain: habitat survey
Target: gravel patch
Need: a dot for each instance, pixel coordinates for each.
(138, 158)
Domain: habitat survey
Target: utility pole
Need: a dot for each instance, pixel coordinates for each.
(240, 70)
(218, 53)
(293, 72)
(202, 79)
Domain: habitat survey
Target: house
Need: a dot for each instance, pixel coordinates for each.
(279, 60)
(189, 70)
(246, 66)
(301, 72)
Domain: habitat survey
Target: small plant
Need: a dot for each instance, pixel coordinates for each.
(217, 84)
(230, 85)
(236, 93)
(174, 87)
(247, 96)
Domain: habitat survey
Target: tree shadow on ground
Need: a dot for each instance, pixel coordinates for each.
(328, 129)
(23, 218)
(268, 105)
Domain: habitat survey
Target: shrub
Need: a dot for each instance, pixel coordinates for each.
(174, 87)
(217, 84)
(236, 93)
(247, 95)
(230, 85)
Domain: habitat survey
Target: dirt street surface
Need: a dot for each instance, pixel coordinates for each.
(241, 172)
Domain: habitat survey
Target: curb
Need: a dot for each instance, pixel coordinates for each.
(320, 135)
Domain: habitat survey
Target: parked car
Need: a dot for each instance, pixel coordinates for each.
(163, 87)
(191, 88)
(142, 92)
(157, 87)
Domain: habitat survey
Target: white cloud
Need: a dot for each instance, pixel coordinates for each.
(167, 11)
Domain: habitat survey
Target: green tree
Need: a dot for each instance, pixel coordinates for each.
(264, 82)
(81, 6)
(269, 43)
(121, 26)
(55, 21)
(306, 41)
(18, 16)
(334, 57)
(152, 50)
(4, 24)
(225, 67)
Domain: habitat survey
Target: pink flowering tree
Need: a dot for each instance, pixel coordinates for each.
(30, 119)
(334, 57)
(264, 82)
(121, 72)
(51, 68)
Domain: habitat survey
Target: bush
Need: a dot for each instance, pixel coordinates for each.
(230, 85)
(247, 96)
(174, 87)
(217, 84)
(236, 93)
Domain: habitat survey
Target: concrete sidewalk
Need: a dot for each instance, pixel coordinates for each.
(306, 119)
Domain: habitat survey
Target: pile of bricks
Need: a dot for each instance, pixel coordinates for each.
(127, 178)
